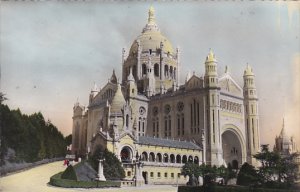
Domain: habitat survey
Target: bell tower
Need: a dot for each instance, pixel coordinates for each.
(251, 116)
(214, 151)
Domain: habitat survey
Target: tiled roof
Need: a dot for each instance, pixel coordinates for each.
(167, 143)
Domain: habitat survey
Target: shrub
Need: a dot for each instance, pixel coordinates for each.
(112, 167)
(56, 180)
(69, 173)
(247, 175)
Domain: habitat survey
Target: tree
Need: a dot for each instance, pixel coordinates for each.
(112, 167)
(288, 169)
(68, 139)
(190, 169)
(277, 170)
(2, 97)
(247, 175)
(269, 162)
(29, 136)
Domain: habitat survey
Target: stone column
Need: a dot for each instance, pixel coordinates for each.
(101, 176)
(139, 180)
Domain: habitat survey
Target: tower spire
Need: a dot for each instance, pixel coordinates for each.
(151, 25)
(151, 15)
(283, 133)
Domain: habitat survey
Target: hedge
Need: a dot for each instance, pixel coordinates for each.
(228, 189)
(56, 180)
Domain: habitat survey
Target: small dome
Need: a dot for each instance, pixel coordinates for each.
(151, 38)
(118, 101)
(248, 70)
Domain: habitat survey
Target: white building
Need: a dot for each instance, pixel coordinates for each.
(214, 115)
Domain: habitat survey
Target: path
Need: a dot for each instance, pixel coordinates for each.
(36, 179)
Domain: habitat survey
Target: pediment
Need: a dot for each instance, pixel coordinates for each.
(194, 82)
(228, 85)
(126, 136)
(106, 93)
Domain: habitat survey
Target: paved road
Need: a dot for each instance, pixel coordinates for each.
(36, 179)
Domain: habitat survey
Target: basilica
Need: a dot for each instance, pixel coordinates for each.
(150, 118)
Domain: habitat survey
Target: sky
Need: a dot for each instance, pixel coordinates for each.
(52, 52)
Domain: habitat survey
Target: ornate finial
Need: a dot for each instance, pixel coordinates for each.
(95, 88)
(211, 56)
(248, 70)
(226, 69)
(151, 16)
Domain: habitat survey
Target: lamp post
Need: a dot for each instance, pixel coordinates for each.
(101, 176)
(138, 171)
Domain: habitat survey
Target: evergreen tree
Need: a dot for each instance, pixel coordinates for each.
(247, 175)
(275, 165)
(112, 167)
(30, 137)
(68, 139)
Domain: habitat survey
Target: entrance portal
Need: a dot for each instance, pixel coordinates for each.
(232, 149)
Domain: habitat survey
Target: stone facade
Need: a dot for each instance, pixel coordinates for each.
(210, 118)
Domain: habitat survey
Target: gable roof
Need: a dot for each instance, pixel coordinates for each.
(194, 82)
(167, 143)
(227, 84)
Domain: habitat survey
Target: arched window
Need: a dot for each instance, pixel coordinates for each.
(166, 158)
(172, 158)
(178, 159)
(126, 154)
(166, 71)
(127, 121)
(144, 156)
(171, 72)
(191, 159)
(184, 159)
(158, 157)
(144, 69)
(156, 70)
(174, 72)
(196, 160)
(151, 157)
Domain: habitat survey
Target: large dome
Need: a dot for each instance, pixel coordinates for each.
(151, 38)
